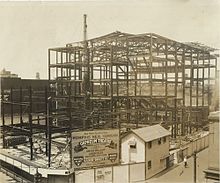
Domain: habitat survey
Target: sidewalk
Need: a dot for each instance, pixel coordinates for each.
(180, 174)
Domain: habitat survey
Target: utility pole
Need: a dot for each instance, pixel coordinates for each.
(195, 164)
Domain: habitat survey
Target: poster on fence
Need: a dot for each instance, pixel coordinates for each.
(103, 175)
(95, 148)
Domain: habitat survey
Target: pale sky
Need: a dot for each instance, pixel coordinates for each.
(28, 29)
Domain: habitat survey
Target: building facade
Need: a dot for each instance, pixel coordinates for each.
(149, 145)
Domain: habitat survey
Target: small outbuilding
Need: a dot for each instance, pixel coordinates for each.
(149, 145)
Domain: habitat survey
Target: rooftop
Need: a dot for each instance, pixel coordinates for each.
(7, 74)
(150, 133)
(118, 36)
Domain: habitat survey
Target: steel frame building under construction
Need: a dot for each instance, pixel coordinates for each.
(118, 80)
(125, 80)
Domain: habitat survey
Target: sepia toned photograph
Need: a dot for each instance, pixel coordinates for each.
(107, 91)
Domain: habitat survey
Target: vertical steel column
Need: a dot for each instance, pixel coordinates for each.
(12, 111)
(209, 93)
(203, 79)
(21, 107)
(151, 82)
(57, 73)
(197, 90)
(49, 76)
(30, 123)
(70, 121)
(139, 113)
(117, 89)
(91, 67)
(136, 112)
(135, 77)
(183, 129)
(3, 117)
(128, 107)
(62, 77)
(75, 68)
(46, 118)
(100, 78)
(38, 119)
(191, 86)
(106, 77)
(67, 68)
(216, 75)
(57, 61)
(197, 81)
(69, 60)
(80, 73)
(166, 81)
(127, 68)
(49, 126)
(127, 83)
(111, 84)
(175, 94)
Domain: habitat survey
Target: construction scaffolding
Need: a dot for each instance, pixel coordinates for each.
(123, 80)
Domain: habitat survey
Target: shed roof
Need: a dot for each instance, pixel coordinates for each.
(150, 133)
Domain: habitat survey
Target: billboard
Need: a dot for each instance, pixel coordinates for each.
(95, 148)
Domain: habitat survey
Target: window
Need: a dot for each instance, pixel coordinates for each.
(149, 144)
(133, 146)
(159, 141)
(149, 165)
(164, 139)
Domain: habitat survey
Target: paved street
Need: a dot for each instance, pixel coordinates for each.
(179, 173)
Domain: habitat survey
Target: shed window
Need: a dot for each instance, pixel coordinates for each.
(164, 139)
(132, 144)
(149, 165)
(149, 144)
(159, 141)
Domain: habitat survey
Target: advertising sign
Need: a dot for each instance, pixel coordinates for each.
(95, 148)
